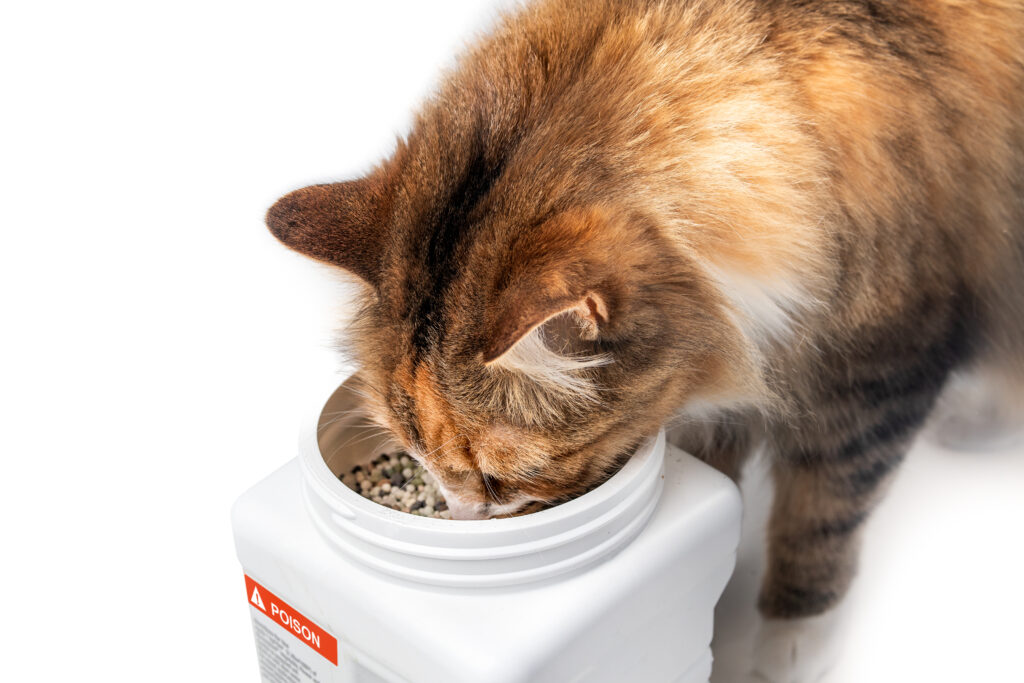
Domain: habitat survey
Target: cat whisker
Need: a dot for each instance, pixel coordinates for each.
(329, 459)
(443, 445)
(490, 490)
(367, 437)
(341, 415)
(360, 389)
(356, 439)
(420, 469)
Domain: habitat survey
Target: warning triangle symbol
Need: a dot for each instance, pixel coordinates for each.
(256, 599)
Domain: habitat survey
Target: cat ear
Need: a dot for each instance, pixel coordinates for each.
(568, 268)
(523, 317)
(342, 224)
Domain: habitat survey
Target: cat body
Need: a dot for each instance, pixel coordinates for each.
(779, 223)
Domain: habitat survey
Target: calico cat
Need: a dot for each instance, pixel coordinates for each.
(783, 222)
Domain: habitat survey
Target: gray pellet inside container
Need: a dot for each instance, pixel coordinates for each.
(395, 480)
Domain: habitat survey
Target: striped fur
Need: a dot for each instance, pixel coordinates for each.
(787, 221)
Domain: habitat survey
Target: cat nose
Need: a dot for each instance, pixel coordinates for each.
(460, 510)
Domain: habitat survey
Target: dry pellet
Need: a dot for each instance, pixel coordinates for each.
(395, 481)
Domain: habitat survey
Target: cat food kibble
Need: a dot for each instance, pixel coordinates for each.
(395, 481)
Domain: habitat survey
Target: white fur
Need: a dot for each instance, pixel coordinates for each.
(978, 410)
(710, 409)
(555, 371)
(460, 509)
(765, 310)
(749, 648)
(797, 650)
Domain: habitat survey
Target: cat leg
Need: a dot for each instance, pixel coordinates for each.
(982, 406)
(800, 650)
(724, 444)
(813, 543)
(979, 410)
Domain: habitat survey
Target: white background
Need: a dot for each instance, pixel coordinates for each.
(161, 348)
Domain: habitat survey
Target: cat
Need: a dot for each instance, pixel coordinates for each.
(779, 223)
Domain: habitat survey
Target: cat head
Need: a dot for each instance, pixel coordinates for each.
(520, 357)
(527, 317)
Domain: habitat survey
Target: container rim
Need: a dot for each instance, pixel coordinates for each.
(471, 553)
(346, 501)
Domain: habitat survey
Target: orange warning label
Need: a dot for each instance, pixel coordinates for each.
(292, 620)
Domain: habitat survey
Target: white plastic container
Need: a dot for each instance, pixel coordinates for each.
(619, 584)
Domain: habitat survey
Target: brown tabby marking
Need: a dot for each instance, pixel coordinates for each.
(787, 221)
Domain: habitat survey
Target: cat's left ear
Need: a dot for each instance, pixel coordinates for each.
(574, 268)
(342, 224)
(589, 312)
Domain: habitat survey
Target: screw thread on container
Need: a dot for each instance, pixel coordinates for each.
(468, 553)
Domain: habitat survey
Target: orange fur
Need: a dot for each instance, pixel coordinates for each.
(796, 217)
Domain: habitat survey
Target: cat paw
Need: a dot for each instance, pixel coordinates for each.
(977, 412)
(795, 650)
(984, 430)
